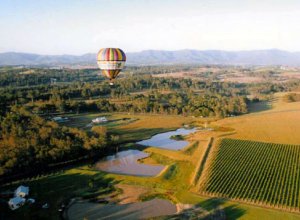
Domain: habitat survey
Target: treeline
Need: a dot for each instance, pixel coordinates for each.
(14, 76)
(155, 95)
(173, 103)
(28, 142)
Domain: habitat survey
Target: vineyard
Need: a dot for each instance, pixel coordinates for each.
(254, 172)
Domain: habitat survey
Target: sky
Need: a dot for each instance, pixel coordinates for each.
(79, 27)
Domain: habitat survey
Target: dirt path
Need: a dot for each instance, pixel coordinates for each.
(130, 193)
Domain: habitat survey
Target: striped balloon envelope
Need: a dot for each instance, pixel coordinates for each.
(111, 61)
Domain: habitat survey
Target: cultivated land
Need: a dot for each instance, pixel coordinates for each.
(237, 74)
(255, 172)
(188, 168)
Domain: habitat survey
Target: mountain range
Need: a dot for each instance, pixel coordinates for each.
(154, 57)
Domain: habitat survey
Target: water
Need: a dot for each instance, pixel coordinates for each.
(137, 210)
(163, 140)
(125, 162)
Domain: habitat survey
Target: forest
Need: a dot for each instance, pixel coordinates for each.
(84, 91)
(28, 142)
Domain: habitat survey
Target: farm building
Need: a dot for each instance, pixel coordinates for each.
(22, 191)
(16, 202)
(100, 120)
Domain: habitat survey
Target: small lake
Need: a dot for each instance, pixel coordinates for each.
(126, 162)
(137, 210)
(163, 140)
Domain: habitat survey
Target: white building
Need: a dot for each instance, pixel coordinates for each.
(100, 120)
(16, 202)
(22, 191)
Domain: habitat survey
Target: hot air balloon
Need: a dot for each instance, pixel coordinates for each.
(111, 61)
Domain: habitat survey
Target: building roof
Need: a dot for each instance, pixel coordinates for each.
(99, 119)
(16, 200)
(22, 189)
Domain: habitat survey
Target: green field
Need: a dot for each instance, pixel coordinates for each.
(129, 127)
(84, 121)
(255, 172)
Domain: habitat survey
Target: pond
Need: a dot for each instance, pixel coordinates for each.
(138, 210)
(126, 162)
(163, 140)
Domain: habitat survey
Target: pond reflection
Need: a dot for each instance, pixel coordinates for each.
(126, 162)
(163, 140)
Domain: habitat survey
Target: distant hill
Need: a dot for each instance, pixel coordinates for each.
(151, 57)
(12, 58)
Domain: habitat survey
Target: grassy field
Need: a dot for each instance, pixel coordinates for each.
(255, 172)
(84, 121)
(281, 124)
(131, 127)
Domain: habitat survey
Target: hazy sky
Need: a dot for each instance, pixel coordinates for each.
(77, 27)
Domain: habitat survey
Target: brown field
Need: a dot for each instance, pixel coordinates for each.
(156, 121)
(174, 75)
(195, 73)
(27, 72)
(236, 75)
(292, 74)
(281, 124)
(243, 79)
(147, 92)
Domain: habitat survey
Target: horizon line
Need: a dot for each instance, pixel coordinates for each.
(82, 54)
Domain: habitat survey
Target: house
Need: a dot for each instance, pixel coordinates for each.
(22, 191)
(16, 202)
(100, 120)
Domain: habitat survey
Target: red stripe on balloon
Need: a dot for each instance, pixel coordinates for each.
(107, 54)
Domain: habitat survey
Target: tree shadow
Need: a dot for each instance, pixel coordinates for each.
(130, 135)
(255, 107)
(217, 206)
(234, 212)
(211, 204)
(213, 208)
